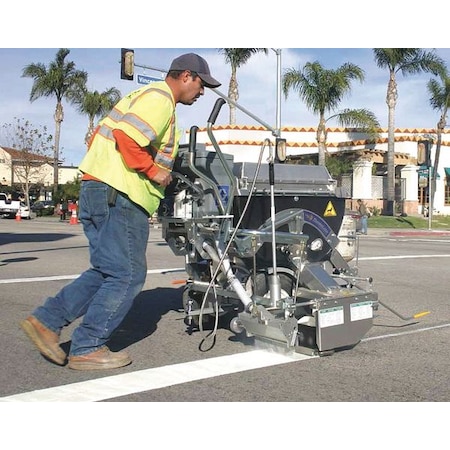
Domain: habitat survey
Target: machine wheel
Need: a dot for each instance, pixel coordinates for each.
(262, 283)
(236, 326)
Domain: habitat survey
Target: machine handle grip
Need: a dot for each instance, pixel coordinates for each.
(193, 138)
(215, 112)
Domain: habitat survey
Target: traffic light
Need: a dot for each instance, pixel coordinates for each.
(126, 64)
(424, 153)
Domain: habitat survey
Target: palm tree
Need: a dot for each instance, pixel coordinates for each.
(408, 61)
(57, 80)
(237, 57)
(322, 90)
(440, 101)
(95, 105)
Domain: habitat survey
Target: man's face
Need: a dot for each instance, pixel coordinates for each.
(192, 88)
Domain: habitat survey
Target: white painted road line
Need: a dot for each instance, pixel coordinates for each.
(73, 277)
(160, 377)
(157, 378)
(377, 258)
(403, 333)
(182, 269)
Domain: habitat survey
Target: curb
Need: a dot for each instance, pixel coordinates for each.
(420, 233)
(406, 232)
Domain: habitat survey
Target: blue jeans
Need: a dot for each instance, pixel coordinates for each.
(103, 294)
(364, 224)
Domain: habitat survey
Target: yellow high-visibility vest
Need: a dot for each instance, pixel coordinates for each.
(147, 115)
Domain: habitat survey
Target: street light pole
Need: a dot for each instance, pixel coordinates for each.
(430, 198)
(278, 110)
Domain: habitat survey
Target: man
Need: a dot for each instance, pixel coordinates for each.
(126, 170)
(63, 209)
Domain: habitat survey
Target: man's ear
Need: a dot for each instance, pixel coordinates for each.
(185, 76)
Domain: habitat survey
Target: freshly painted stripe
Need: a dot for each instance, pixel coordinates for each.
(160, 377)
(157, 378)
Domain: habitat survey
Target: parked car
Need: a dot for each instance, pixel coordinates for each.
(43, 208)
(8, 207)
(25, 212)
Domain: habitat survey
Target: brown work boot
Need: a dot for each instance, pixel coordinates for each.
(46, 340)
(102, 358)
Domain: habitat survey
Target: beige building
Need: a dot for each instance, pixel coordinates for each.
(40, 176)
(368, 179)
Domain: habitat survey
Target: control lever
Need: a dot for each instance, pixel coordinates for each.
(212, 119)
(193, 138)
(199, 194)
(196, 171)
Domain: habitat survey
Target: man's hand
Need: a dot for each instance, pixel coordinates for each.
(162, 177)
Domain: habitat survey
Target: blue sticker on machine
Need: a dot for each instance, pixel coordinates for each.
(224, 192)
(317, 222)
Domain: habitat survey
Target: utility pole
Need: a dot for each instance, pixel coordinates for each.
(424, 159)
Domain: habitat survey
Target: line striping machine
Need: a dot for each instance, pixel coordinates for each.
(262, 244)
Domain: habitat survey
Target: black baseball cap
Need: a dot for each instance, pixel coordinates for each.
(195, 63)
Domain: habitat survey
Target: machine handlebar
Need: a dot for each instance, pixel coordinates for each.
(193, 138)
(215, 112)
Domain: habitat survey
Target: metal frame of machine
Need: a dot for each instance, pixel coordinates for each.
(260, 245)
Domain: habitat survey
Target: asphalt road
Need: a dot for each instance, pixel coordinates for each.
(398, 361)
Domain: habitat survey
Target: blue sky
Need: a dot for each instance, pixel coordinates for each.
(257, 88)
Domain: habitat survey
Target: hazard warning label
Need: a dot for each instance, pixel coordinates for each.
(329, 210)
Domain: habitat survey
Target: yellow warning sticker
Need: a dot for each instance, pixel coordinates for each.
(329, 210)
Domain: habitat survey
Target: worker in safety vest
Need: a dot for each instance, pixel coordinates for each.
(126, 170)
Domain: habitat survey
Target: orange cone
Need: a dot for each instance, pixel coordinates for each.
(18, 216)
(73, 217)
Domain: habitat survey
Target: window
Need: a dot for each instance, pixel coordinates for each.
(423, 195)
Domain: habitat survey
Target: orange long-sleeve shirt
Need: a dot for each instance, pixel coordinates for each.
(135, 156)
